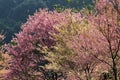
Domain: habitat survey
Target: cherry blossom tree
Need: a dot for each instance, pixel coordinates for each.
(28, 48)
(107, 22)
(73, 51)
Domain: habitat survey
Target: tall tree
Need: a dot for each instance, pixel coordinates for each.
(107, 22)
(73, 51)
(28, 49)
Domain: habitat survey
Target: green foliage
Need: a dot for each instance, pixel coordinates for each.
(13, 43)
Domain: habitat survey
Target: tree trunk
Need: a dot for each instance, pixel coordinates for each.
(114, 70)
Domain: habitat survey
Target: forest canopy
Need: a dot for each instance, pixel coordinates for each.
(65, 44)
